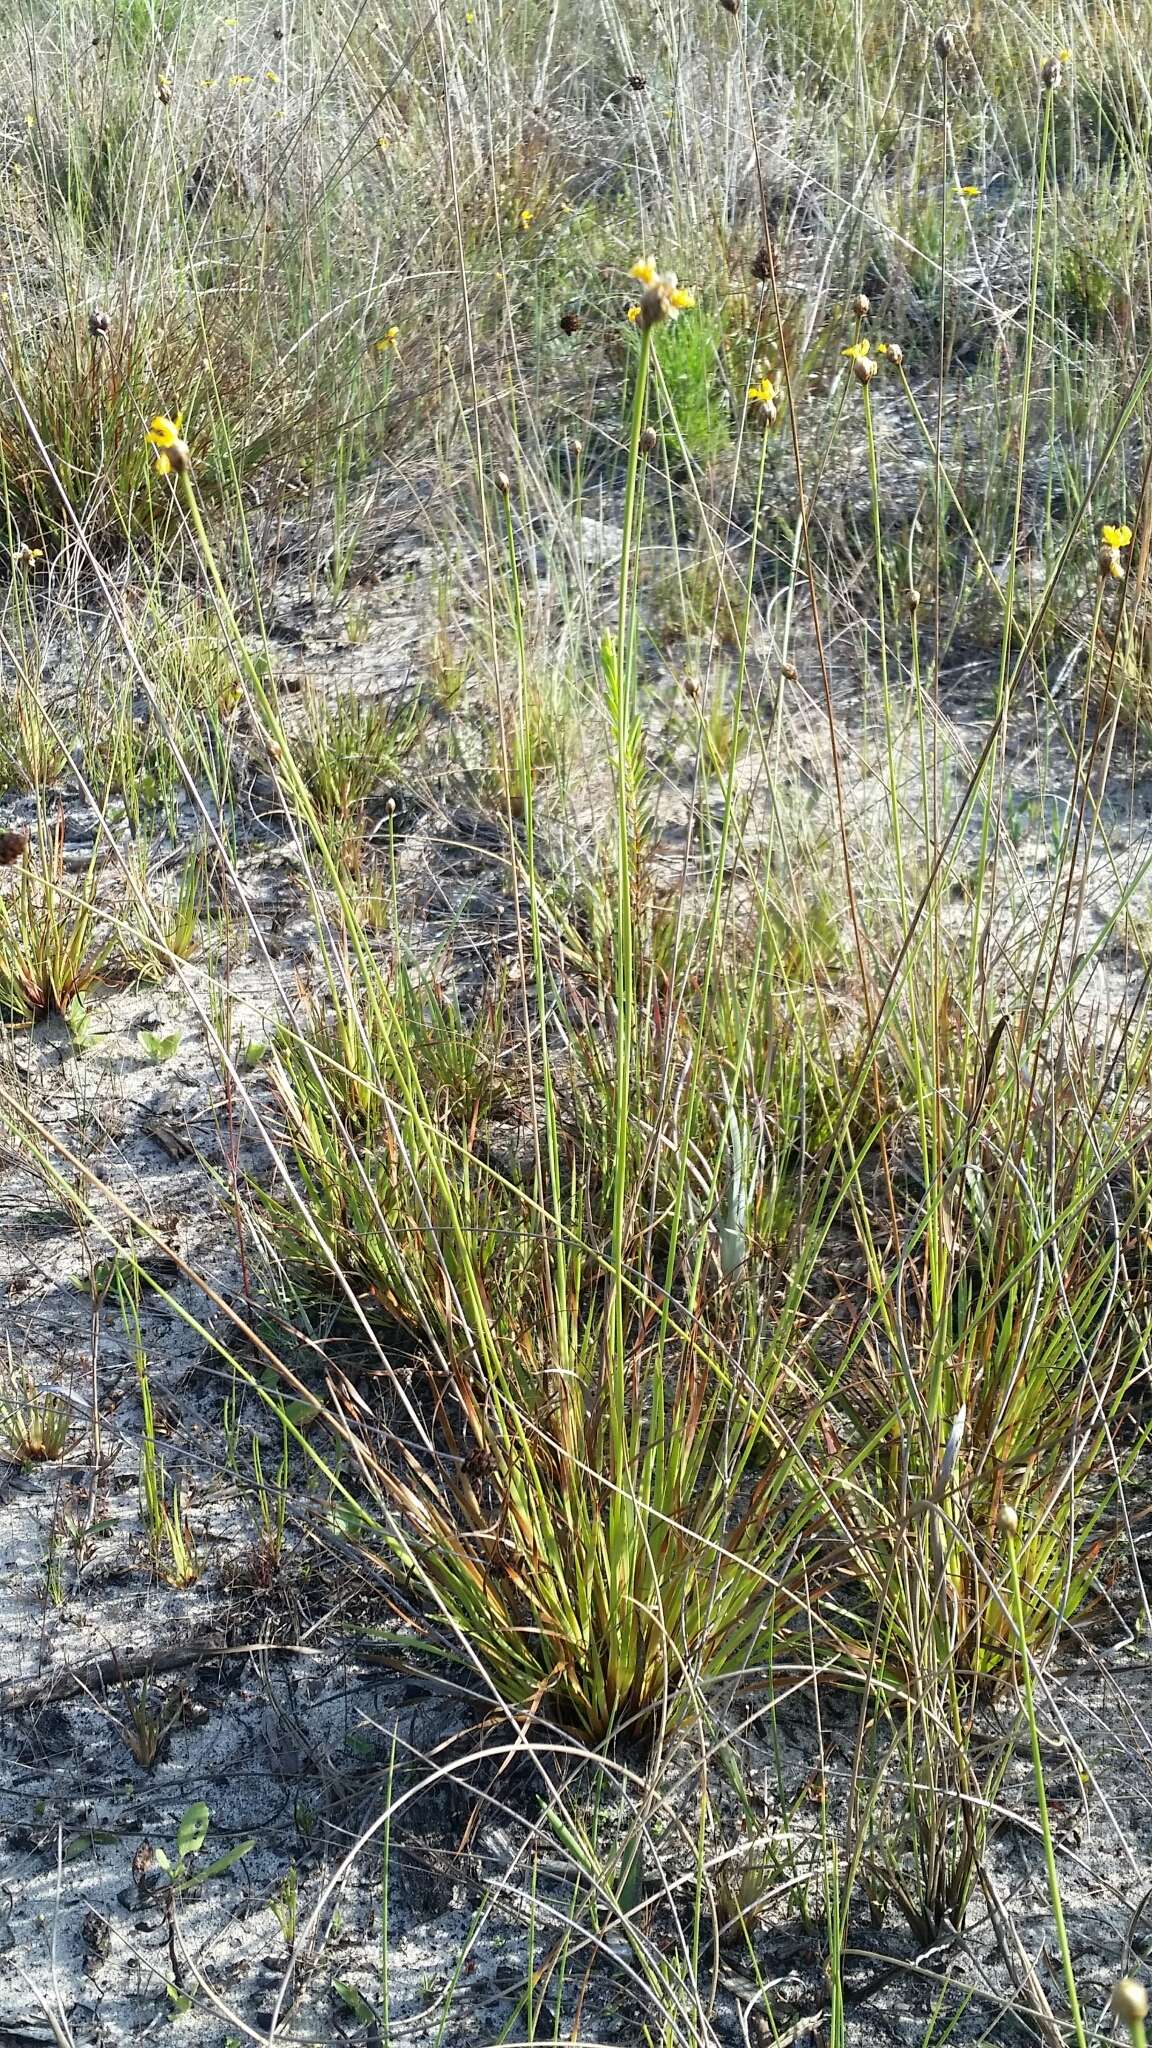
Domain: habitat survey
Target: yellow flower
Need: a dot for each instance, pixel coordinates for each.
(26, 556)
(240, 78)
(633, 314)
(857, 351)
(969, 191)
(1065, 56)
(664, 298)
(383, 142)
(389, 338)
(166, 436)
(1116, 536)
(526, 216)
(206, 84)
(762, 393)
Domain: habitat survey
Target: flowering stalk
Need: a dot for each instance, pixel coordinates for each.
(1010, 1527)
(623, 703)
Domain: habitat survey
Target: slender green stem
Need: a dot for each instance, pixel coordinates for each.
(624, 695)
(1041, 1792)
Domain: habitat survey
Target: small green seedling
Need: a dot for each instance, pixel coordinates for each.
(190, 1838)
(81, 1028)
(356, 2003)
(159, 1045)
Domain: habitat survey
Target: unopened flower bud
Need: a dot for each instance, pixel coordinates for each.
(864, 368)
(164, 90)
(98, 323)
(861, 306)
(945, 43)
(502, 482)
(914, 599)
(1129, 2002)
(648, 440)
(895, 354)
(1052, 75)
(789, 671)
(1008, 1521)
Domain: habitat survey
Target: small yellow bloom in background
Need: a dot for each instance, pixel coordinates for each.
(633, 314)
(1065, 56)
(164, 89)
(969, 191)
(240, 78)
(206, 84)
(856, 351)
(383, 142)
(645, 271)
(26, 556)
(389, 338)
(271, 78)
(29, 120)
(166, 436)
(1116, 536)
(526, 216)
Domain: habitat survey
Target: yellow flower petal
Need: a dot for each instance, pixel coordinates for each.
(645, 271)
(856, 351)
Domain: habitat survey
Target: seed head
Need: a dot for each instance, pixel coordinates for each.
(861, 306)
(762, 264)
(1129, 2002)
(570, 321)
(1007, 1520)
(648, 440)
(1052, 75)
(945, 43)
(164, 89)
(502, 482)
(789, 671)
(914, 598)
(637, 81)
(730, 6)
(893, 351)
(864, 368)
(99, 323)
(574, 448)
